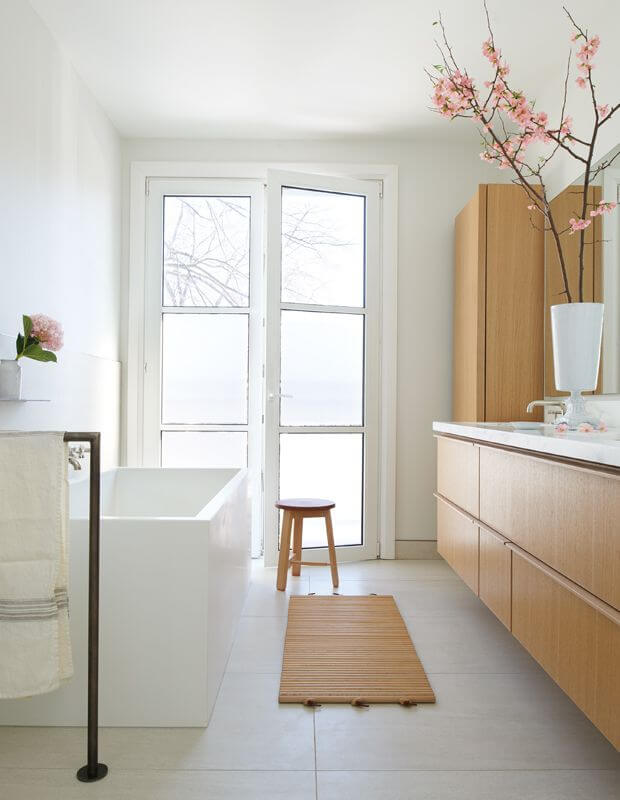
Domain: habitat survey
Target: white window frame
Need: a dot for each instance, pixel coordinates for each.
(141, 172)
(159, 188)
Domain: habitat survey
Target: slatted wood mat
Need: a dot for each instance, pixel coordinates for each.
(350, 649)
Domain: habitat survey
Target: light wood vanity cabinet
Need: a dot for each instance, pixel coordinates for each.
(543, 553)
(573, 641)
(495, 575)
(457, 473)
(458, 542)
(568, 517)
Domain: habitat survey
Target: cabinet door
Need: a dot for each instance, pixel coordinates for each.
(576, 644)
(495, 575)
(457, 542)
(457, 473)
(515, 280)
(566, 517)
(470, 232)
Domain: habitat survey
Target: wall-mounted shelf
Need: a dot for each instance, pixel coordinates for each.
(24, 400)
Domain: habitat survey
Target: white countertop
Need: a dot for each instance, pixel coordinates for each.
(596, 447)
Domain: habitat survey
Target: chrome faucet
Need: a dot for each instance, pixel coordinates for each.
(76, 454)
(560, 406)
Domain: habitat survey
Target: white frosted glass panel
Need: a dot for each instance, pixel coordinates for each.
(222, 449)
(323, 247)
(326, 465)
(206, 251)
(322, 368)
(205, 368)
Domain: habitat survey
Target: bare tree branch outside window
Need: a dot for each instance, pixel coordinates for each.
(207, 251)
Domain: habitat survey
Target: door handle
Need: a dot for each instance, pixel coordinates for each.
(273, 395)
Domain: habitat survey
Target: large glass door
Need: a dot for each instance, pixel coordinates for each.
(203, 327)
(322, 355)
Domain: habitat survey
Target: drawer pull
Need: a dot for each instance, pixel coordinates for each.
(493, 533)
(458, 509)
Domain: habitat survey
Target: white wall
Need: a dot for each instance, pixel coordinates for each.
(435, 181)
(59, 230)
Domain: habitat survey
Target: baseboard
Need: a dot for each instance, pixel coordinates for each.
(416, 548)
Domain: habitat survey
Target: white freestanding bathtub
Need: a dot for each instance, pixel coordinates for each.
(175, 564)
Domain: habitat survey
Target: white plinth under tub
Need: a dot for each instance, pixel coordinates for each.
(175, 567)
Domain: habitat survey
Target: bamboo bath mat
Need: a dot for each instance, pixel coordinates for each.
(353, 649)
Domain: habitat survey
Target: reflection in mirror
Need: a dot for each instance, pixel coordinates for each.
(601, 283)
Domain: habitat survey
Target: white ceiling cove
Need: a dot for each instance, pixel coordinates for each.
(293, 69)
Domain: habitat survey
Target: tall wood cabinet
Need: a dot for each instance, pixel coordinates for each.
(498, 307)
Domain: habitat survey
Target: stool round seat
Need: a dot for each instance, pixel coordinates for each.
(305, 503)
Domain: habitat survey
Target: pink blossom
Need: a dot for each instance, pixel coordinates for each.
(454, 94)
(47, 331)
(603, 111)
(574, 36)
(603, 208)
(488, 51)
(585, 54)
(585, 427)
(578, 224)
(602, 426)
(566, 127)
(561, 427)
(581, 82)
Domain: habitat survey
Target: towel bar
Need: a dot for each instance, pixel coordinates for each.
(93, 770)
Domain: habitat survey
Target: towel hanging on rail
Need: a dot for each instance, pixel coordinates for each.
(35, 647)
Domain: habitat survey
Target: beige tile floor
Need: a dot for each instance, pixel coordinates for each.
(500, 730)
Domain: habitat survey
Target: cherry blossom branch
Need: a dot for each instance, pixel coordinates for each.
(509, 125)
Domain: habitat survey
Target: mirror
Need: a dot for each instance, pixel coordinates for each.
(601, 275)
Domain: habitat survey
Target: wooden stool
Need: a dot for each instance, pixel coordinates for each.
(297, 510)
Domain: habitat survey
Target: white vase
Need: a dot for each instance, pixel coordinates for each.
(576, 331)
(10, 379)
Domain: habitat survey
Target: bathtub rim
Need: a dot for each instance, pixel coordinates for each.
(206, 513)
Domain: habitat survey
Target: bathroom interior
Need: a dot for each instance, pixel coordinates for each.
(309, 400)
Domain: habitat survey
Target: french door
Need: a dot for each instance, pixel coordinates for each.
(203, 327)
(322, 357)
(261, 343)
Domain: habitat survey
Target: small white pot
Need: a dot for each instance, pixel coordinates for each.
(576, 330)
(10, 379)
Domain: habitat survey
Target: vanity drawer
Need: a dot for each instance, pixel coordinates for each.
(568, 517)
(577, 644)
(495, 576)
(457, 542)
(457, 472)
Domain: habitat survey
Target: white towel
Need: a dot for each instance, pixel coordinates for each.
(35, 648)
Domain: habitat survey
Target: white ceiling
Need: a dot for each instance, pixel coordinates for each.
(293, 68)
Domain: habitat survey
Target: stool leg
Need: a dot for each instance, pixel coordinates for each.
(285, 546)
(297, 535)
(332, 549)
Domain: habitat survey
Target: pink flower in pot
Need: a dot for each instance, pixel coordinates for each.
(41, 337)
